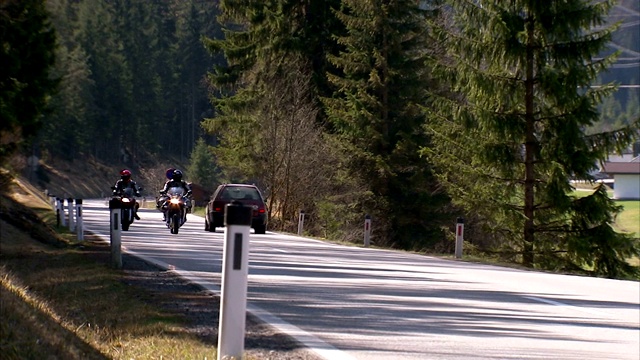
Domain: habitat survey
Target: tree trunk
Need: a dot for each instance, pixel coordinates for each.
(530, 146)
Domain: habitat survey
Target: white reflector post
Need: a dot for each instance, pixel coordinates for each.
(61, 215)
(52, 201)
(72, 226)
(367, 230)
(233, 294)
(301, 223)
(79, 230)
(459, 237)
(116, 231)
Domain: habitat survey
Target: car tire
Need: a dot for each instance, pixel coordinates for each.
(260, 229)
(209, 226)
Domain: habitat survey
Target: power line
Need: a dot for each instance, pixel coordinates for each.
(627, 10)
(619, 86)
(625, 66)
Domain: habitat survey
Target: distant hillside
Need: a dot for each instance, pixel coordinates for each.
(87, 177)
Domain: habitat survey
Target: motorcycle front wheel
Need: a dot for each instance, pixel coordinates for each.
(126, 215)
(175, 223)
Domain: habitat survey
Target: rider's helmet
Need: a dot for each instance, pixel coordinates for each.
(177, 175)
(125, 175)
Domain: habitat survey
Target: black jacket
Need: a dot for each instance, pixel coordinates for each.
(173, 183)
(121, 185)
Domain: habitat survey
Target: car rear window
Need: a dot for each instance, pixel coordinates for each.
(239, 193)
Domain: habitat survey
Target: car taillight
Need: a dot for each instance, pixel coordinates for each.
(217, 209)
(261, 211)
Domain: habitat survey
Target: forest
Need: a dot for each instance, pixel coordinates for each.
(415, 113)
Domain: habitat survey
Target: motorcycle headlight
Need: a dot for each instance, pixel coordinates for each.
(175, 201)
(125, 200)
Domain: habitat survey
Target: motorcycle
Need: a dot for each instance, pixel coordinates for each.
(127, 207)
(175, 206)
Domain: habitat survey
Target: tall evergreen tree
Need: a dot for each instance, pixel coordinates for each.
(202, 168)
(98, 36)
(376, 115)
(145, 39)
(263, 43)
(27, 57)
(67, 129)
(196, 22)
(260, 34)
(261, 38)
(509, 142)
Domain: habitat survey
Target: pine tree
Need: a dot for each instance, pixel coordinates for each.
(202, 166)
(97, 34)
(375, 113)
(262, 41)
(511, 134)
(27, 57)
(147, 37)
(193, 61)
(258, 34)
(67, 130)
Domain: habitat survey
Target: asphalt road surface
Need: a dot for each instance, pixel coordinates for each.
(362, 303)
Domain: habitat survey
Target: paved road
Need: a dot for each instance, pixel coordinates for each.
(357, 303)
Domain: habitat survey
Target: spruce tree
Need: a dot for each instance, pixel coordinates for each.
(67, 130)
(202, 166)
(100, 40)
(510, 135)
(27, 57)
(375, 113)
(263, 42)
(258, 34)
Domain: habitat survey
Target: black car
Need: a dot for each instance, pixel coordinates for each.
(248, 195)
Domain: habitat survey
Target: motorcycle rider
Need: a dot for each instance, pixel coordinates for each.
(174, 181)
(126, 182)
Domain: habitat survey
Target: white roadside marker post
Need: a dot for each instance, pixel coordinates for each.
(459, 237)
(53, 201)
(72, 226)
(367, 230)
(60, 213)
(300, 222)
(233, 293)
(79, 230)
(115, 235)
